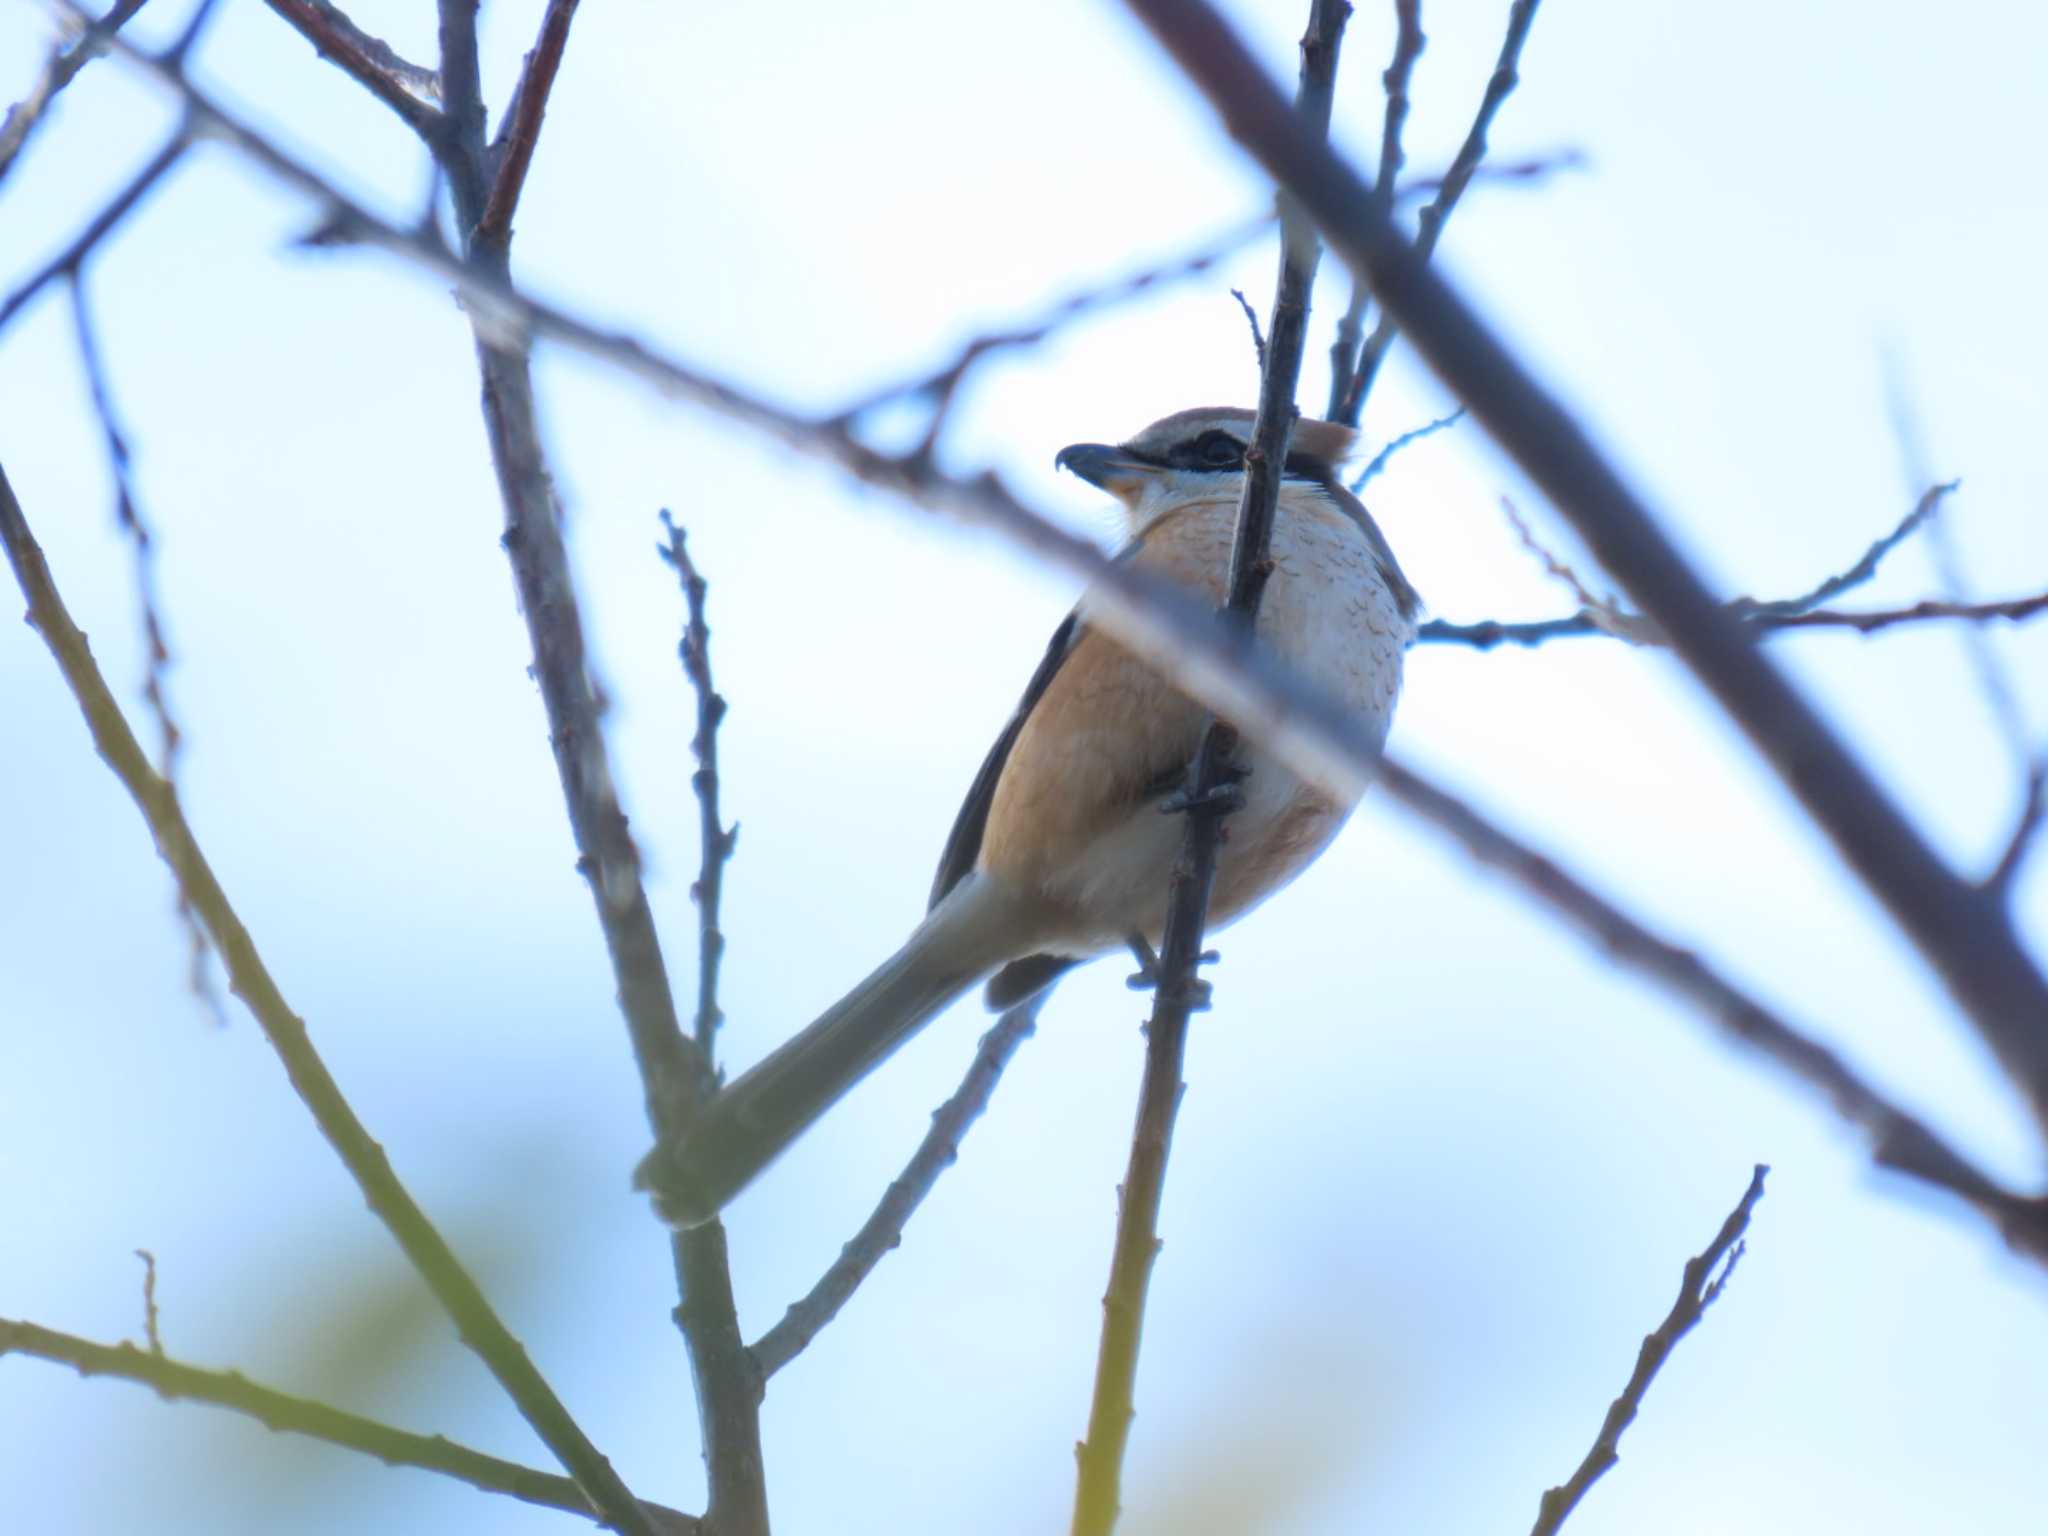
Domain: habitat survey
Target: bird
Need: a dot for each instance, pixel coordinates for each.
(1060, 852)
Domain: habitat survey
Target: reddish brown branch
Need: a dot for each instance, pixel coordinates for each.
(511, 153)
(176, 1381)
(406, 88)
(1705, 1278)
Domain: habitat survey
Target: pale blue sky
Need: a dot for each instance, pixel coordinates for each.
(1438, 1168)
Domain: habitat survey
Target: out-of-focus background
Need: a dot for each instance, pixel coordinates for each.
(1438, 1166)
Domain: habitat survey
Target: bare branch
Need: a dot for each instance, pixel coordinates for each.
(715, 839)
(1865, 567)
(480, 1327)
(1344, 350)
(1251, 318)
(1211, 794)
(149, 1312)
(62, 67)
(512, 151)
(882, 1232)
(1485, 634)
(940, 387)
(156, 651)
(176, 1381)
(1380, 460)
(1964, 933)
(1431, 223)
(1704, 1279)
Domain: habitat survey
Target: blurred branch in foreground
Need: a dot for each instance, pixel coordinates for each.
(59, 70)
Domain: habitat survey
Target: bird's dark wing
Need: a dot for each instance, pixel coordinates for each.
(963, 843)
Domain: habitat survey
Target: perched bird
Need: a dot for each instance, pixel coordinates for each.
(1060, 852)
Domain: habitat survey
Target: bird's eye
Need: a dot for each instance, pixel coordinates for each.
(1219, 450)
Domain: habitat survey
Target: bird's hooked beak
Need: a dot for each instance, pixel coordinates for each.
(1109, 468)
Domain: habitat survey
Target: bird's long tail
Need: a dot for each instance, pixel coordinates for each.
(748, 1123)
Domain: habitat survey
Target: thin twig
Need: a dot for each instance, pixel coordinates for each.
(512, 151)
(882, 1232)
(62, 67)
(149, 1312)
(715, 839)
(1408, 45)
(1251, 318)
(1964, 934)
(176, 1381)
(938, 388)
(2026, 827)
(1865, 567)
(1485, 634)
(1705, 1278)
(1430, 224)
(1211, 794)
(1314, 734)
(1994, 680)
(1372, 471)
(156, 650)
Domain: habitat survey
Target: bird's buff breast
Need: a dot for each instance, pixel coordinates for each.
(1075, 822)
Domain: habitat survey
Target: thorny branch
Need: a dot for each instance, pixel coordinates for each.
(882, 1232)
(479, 1326)
(1210, 795)
(62, 67)
(1705, 1278)
(176, 1381)
(714, 837)
(1964, 933)
(1430, 223)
